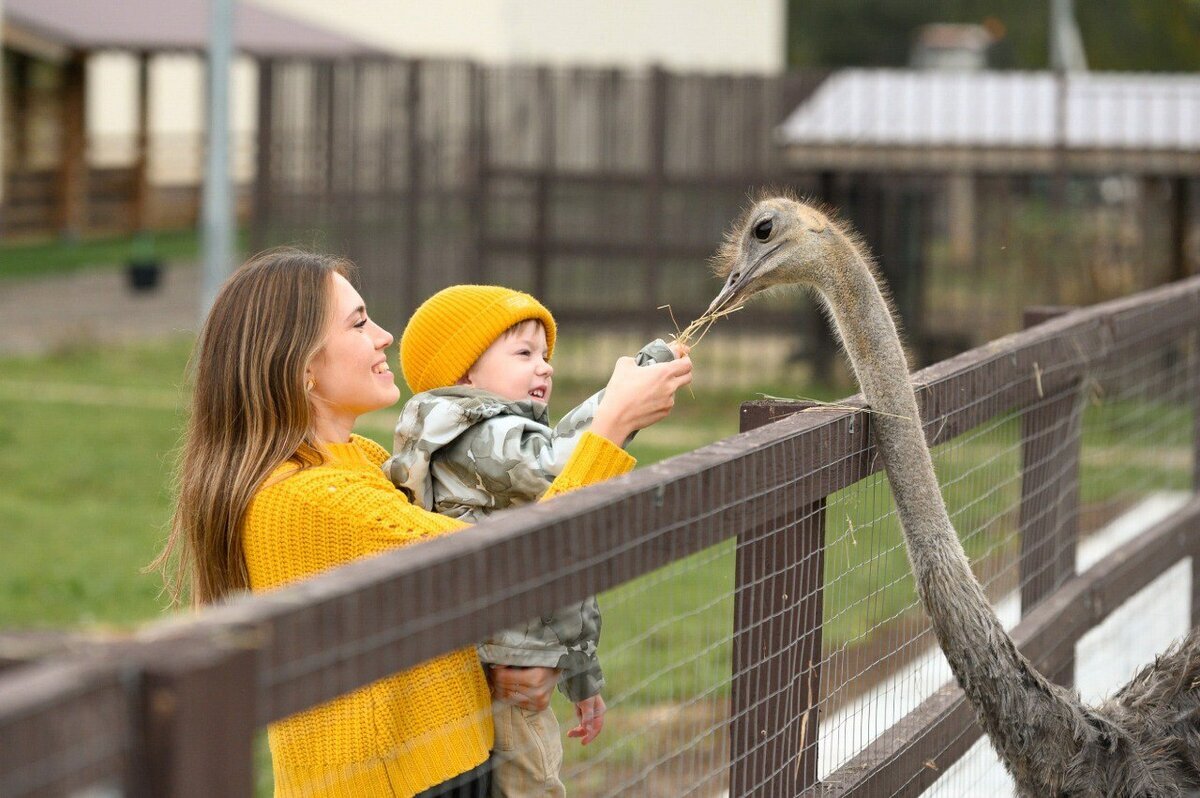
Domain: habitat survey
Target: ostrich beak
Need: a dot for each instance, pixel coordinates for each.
(739, 287)
(727, 297)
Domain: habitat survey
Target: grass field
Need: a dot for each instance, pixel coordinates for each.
(86, 452)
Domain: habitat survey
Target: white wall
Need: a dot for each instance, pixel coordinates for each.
(176, 113)
(685, 35)
(709, 35)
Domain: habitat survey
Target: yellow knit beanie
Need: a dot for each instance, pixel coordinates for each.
(452, 328)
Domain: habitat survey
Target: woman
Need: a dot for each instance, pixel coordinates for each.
(274, 487)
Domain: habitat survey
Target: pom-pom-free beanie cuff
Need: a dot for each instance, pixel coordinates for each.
(451, 329)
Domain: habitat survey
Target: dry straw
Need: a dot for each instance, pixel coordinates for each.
(698, 328)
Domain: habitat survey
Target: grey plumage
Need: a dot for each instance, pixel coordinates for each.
(1144, 740)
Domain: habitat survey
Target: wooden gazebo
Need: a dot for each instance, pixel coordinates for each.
(67, 195)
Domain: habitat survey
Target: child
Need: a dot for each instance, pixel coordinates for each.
(475, 439)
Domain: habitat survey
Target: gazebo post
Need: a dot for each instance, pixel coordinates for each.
(20, 111)
(73, 168)
(139, 217)
(1180, 216)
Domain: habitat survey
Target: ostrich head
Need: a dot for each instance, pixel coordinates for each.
(779, 240)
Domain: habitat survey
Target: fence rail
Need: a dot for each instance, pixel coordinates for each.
(173, 712)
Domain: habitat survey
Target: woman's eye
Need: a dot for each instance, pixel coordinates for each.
(362, 323)
(762, 230)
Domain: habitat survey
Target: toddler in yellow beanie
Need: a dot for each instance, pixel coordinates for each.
(476, 438)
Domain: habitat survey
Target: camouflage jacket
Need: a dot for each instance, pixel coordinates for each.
(465, 453)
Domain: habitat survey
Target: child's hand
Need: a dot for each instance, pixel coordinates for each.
(678, 349)
(590, 712)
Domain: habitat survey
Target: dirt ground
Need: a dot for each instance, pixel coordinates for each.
(48, 314)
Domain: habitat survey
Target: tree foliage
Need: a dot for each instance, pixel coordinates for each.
(1127, 35)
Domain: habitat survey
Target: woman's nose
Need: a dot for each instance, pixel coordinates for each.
(384, 338)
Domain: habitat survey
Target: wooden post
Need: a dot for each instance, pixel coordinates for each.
(197, 721)
(778, 605)
(73, 167)
(1049, 512)
(1180, 222)
(139, 218)
(262, 155)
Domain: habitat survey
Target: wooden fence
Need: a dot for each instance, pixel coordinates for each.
(603, 192)
(173, 711)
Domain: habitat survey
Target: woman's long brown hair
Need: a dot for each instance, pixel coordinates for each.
(249, 413)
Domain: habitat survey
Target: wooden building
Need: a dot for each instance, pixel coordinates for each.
(51, 185)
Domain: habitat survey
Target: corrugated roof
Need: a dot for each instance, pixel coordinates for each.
(911, 108)
(158, 25)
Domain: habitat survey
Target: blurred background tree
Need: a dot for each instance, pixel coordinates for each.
(1129, 35)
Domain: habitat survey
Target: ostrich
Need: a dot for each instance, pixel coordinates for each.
(1145, 739)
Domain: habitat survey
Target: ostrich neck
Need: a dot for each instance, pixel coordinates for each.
(996, 678)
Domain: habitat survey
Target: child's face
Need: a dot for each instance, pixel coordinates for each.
(515, 366)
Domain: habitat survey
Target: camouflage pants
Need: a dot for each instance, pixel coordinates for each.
(528, 753)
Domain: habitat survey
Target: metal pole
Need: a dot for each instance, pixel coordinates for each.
(218, 221)
(3, 132)
(1066, 43)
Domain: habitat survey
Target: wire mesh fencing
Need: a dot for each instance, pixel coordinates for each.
(762, 629)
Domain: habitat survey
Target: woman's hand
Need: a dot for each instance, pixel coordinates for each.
(527, 688)
(638, 396)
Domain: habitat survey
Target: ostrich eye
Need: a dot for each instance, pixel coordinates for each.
(762, 230)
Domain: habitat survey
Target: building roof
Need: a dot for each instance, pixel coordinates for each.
(163, 25)
(1121, 115)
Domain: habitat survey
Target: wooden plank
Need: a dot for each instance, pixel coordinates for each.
(632, 250)
(64, 730)
(477, 205)
(1047, 636)
(614, 178)
(655, 175)
(548, 137)
(263, 155)
(412, 206)
(778, 602)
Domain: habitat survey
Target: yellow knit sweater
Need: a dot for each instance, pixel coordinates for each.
(410, 731)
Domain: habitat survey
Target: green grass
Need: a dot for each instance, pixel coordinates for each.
(85, 449)
(45, 258)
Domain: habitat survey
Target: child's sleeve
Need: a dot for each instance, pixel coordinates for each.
(578, 630)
